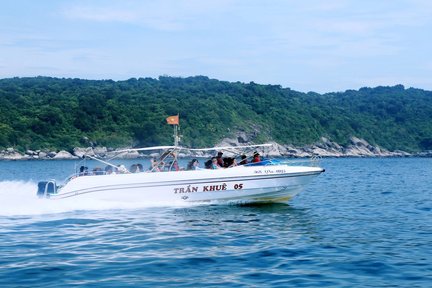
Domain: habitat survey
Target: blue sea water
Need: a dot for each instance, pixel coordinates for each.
(363, 223)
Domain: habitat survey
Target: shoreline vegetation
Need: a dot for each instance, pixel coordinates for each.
(47, 118)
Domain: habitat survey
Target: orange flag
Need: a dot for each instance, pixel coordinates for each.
(173, 120)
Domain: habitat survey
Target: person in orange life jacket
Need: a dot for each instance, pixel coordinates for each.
(256, 157)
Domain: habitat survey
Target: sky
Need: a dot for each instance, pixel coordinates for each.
(310, 45)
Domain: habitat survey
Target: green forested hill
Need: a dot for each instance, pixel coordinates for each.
(44, 112)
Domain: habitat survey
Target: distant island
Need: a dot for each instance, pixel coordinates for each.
(52, 114)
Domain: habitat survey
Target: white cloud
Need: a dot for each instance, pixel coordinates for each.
(101, 14)
(168, 15)
(306, 45)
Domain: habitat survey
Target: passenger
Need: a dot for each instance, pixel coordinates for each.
(154, 165)
(190, 165)
(193, 165)
(122, 169)
(228, 162)
(256, 157)
(244, 160)
(220, 161)
(136, 168)
(98, 171)
(133, 168)
(208, 164)
(161, 166)
(215, 164)
(83, 171)
(233, 163)
(108, 170)
(174, 166)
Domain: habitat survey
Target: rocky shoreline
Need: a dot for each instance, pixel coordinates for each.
(323, 148)
(327, 148)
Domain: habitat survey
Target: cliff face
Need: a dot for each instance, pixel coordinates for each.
(324, 148)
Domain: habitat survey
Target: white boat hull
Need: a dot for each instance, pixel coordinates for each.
(253, 184)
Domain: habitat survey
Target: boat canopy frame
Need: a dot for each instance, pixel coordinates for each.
(170, 154)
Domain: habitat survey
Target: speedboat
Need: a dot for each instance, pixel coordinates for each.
(269, 180)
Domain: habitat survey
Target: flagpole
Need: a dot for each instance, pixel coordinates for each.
(176, 137)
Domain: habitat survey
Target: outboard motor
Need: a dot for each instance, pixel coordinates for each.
(46, 188)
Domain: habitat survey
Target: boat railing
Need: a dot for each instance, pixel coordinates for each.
(313, 162)
(81, 174)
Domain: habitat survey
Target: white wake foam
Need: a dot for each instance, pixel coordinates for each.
(19, 198)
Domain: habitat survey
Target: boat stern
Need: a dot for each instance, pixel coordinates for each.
(46, 188)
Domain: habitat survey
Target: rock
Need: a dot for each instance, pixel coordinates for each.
(80, 152)
(359, 142)
(242, 138)
(100, 151)
(327, 144)
(42, 155)
(123, 155)
(303, 154)
(359, 150)
(307, 149)
(154, 155)
(130, 155)
(325, 147)
(229, 142)
(275, 150)
(51, 154)
(375, 150)
(317, 151)
(13, 156)
(400, 153)
(64, 155)
(424, 154)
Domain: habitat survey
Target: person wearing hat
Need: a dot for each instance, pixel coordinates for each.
(220, 161)
(256, 157)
